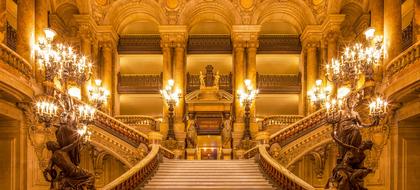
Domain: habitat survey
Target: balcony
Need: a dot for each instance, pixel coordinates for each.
(139, 83)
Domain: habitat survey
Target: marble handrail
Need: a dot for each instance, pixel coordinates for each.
(280, 120)
(111, 125)
(138, 174)
(299, 128)
(251, 152)
(14, 60)
(403, 60)
(281, 176)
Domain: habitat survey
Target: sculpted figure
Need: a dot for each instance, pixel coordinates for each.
(216, 79)
(191, 134)
(71, 176)
(227, 132)
(202, 81)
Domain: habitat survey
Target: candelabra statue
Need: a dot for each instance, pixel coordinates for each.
(345, 73)
(58, 107)
(246, 97)
(171, 97)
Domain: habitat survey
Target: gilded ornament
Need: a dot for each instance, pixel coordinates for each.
(172, 4)
(101, 2)
(247, 4)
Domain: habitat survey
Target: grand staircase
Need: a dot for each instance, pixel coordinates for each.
(210, 174)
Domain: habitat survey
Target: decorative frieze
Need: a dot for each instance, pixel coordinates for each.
(193, 82)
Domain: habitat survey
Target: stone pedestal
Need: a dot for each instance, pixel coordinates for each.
(155, 137)
(227, 154)
(179, 154)
(191, 153)
(238, 133)
(262, 137)
(163, 129)
(239, 154)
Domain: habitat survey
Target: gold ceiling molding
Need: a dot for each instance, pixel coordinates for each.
(120, 13)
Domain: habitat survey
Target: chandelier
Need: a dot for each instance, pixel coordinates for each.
(355, 62)
(171, 96)
(60, 62)
(319, 94)
(98, 94)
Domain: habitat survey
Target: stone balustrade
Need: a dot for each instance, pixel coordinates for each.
(279, 175)
(402, 61)
(300, 128)
(15, 62)
(138, 174)
(282, 120)
(137, 120)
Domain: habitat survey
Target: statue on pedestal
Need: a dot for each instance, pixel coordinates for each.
(227, 132)
(71, 176)
(349, 171)
(191, 134)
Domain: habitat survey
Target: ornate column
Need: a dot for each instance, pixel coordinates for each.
(173, 42)
(41, 22)
(251, 72)
(331, 33)
(238, 68)
(377, 15)
(107, 73)
(416, 21)
(245, 44)
(86, 50)
(25, 28)
(310, 39)
(392, 28)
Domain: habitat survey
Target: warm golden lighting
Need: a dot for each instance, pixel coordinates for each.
(98, 95)
(75, 92)
(247, 95)
(170, 94)
(378, 107)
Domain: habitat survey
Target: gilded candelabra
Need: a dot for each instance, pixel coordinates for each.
(246, 97)
(345, 73)
(65, 72)
(171, 96)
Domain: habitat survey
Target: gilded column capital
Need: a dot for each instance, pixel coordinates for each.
(173, 36)
(311, 44)
(245, 36)
(331, 36)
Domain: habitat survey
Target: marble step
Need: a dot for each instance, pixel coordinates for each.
(226, 187)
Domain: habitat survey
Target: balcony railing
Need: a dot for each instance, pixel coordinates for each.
(407, 36)
(139, 83)
(11, 36)
(193, 82)
(402, 61)
(279, 84)
(15, 62)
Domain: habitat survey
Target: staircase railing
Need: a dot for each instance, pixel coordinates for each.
(282, 177)
(15, 61)
(138, 174)
(300, 128)
(144, 124)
